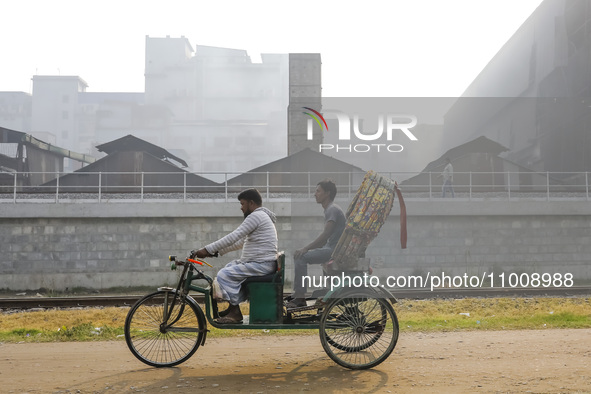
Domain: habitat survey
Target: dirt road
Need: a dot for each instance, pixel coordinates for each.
(477, 361)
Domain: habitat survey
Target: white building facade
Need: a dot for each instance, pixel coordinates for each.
(224, 111)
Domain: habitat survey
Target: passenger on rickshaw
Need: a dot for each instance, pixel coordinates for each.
(257, 237)
(319, 250)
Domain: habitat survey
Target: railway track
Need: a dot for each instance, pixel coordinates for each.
(34, 303)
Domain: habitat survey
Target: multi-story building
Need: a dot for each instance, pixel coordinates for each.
(55, 106)
(15, 110)
(224, 111)
(534, 95)
(229, 112)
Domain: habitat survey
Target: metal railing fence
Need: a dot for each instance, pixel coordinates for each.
(174, 186)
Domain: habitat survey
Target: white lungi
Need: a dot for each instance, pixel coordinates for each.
(230, 278)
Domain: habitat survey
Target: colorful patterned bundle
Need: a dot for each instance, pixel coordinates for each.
(365, 216)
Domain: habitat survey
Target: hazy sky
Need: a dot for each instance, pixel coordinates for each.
(391, 48)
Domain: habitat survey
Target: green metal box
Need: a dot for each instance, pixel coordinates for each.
(265, 302)
(266, 298)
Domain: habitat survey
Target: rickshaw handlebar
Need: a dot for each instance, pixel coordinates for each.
(191, 259)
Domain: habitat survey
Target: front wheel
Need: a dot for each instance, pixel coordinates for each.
(359, 330)
(163, 329)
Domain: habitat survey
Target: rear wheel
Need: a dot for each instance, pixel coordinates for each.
(359, 331)
(161, 336)
(343, 342)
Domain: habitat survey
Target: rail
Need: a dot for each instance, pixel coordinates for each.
(25, 302)
(104, 187)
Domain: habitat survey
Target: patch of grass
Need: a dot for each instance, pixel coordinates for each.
(413, 315)
(494, 314)
(63, 325)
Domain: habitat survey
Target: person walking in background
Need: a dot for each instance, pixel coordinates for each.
(448, 178)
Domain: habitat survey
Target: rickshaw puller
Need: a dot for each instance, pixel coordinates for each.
(257, 237)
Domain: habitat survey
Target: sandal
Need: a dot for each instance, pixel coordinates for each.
(228, 320)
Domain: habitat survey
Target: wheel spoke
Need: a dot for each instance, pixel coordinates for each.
(159, 343)
(359, 332)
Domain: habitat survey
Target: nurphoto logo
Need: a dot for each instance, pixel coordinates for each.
(390, 123)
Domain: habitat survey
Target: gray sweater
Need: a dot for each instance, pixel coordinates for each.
(256, 236)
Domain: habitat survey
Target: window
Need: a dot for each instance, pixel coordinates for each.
(65, 115)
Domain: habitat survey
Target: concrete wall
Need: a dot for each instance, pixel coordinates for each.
(67, 245)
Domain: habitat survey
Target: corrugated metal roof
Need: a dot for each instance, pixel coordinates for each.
(8, 136)
(478, 145)
(130, 143)
(121, 170)
(305, 160)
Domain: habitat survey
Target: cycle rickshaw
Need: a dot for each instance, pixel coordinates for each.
(358, 326)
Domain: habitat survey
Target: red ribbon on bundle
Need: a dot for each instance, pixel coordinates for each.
(403, 235)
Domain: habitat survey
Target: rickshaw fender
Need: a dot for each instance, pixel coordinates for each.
(344, 292)
(386, 294)
(200, 316)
